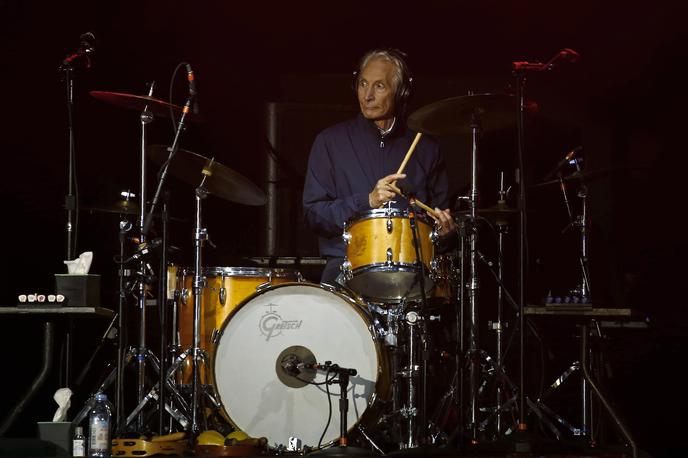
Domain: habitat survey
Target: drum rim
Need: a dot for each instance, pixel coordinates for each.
(383, 387)
(376, 213)
(257, 272)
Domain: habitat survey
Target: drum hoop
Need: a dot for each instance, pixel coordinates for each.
(381, 213)
(257, 272)
(381, 388)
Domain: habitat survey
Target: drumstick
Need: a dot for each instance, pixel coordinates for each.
(413, 200)
(409, 153)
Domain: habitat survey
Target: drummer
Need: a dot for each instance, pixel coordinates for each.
(352, 165)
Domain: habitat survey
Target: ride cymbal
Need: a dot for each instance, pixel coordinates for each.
(140, 102)
(222, 181)
(454, 116)
(587, 175)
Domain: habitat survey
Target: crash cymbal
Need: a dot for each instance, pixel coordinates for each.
(453, 116)
(139, 102)
(585, 176)
(223, 182)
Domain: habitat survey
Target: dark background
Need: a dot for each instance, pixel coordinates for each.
(624, 101)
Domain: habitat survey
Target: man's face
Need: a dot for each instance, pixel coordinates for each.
(376, 90)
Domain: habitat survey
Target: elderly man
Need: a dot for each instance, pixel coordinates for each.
(352, 165)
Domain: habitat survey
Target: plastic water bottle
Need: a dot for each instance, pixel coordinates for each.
(79, 442)
(99, 440)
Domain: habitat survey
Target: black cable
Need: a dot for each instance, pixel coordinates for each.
(329, 405)
(169, 99)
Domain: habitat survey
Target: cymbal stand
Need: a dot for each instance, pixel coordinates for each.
(583, 288)
(200, 236)
(142, 352)
(473, 285)
(502, 229)
(145, 223)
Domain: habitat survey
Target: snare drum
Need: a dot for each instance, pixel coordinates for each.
(225, 288)
(381, 262)
(257, 371)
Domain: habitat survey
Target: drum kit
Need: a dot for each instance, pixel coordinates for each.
(264, 351)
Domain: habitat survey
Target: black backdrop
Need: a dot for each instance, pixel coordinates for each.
(624, 101)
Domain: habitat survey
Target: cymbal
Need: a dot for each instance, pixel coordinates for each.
(223, 182)
(493, 212)
(454, 116)
(140, 102)
(586, 175)
(121, 207)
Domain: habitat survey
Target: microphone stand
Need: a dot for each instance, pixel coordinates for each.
(519, 72)
(343, 449)
(71, 197)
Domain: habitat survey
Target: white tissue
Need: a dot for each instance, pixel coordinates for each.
(80, 265)
(62, 397)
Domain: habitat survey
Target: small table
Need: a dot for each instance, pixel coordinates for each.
(585, 316)
(50, 315)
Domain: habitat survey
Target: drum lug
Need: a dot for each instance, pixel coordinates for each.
(346, 237)
(214, 336)
(390, 255)
(185, 295)
(434, 269)
(390, 226)
(434, 236)
(346, 269)
(223, 295)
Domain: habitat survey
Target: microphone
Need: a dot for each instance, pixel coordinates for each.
(86, 47)
(291, 367)
(193, 93)
(570, 155)
(143, 250)
(328, 366)
(569, 54)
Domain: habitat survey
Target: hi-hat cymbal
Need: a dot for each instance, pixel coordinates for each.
(455, 115)
(222, 182)
(493, 212)
(122, 207)
(140, 102)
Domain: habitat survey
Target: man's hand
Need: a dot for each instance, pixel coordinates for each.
(382, 192)
(444, 221)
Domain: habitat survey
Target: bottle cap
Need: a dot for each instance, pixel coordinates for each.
(79, 430)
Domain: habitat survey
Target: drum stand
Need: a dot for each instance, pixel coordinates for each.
(473, 286)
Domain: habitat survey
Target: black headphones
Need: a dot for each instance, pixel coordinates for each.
(403, 92)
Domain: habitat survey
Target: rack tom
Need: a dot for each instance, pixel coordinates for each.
(381, 262)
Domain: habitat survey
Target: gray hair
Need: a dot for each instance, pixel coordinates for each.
(395, 57)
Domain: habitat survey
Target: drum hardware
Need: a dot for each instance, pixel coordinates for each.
(472, 114)
(144, 355)
(343, 374)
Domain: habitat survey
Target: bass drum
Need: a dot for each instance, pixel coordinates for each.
(264, 389)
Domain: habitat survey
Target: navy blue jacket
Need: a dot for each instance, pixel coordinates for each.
(345, 163)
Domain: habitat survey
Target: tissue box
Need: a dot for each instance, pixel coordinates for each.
(59, 433)
(80, 290)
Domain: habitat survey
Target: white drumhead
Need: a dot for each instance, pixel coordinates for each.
(256, 336)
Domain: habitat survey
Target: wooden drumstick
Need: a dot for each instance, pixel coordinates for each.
(413, 200)
(409, 152)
